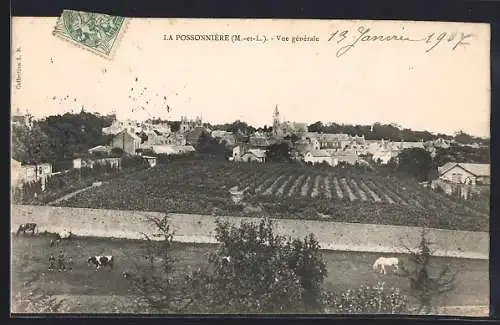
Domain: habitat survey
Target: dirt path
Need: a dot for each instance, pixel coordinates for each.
(70, 195)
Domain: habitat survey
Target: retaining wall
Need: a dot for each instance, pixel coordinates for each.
(200, 229)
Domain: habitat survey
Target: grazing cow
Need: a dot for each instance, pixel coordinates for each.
(30, 227)
(101, 261)
(382, 262)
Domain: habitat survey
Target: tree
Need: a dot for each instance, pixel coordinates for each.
(425, 287)
(117, 152)
(71, 134)
(31, 145)
(416, 162)
(211, 146)
(255, 271)
(252, 271)
(316, 127)
(279, 152)
(464, 138)
(155, 283)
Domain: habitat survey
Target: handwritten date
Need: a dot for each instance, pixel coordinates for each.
(364, 35)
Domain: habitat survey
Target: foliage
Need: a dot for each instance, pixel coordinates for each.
(279, 152)
(391, 132)
(207, 145)
(235, 127)
(427, 286)
(117, 152)
(30, 145)
(367, 300)
(155, 283)
(462, 154)
(464, 138)
(256, 271)
(417, 163)
(58, 137)
(32, 300)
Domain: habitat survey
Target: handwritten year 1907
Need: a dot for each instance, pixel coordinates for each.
(363, 35)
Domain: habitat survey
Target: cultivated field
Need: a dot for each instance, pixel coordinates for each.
(284, 191)
(86, 290)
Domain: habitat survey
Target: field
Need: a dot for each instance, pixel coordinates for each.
(86, 290)
(284, 191)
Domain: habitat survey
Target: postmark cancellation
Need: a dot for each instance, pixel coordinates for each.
(96, 32)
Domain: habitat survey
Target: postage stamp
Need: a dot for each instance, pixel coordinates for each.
(96, 32)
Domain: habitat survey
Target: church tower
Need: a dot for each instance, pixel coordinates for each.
(276, 121)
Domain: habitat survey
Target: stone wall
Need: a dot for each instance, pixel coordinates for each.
(200, 229)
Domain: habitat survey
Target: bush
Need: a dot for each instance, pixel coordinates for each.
(255, 271)
(252, 271)
(368, 300)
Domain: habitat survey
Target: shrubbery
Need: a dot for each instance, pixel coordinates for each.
(254, 271)
(365, 299)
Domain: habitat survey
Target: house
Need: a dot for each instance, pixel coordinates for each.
(382, 156)
(224, 137)
(346, 157)
(251, 155)
(401, 145)
(127, 141)
(81, 163)
(319, 156)
(100, 149)
(113, 162)
(175, 139)
(219, 133)
(16, 173)
(248, 154)
(465, 173)
(172, 150)
(21, 174)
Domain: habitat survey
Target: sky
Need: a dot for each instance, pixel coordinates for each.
(444, 90)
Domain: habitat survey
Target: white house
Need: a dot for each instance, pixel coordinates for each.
(319, 156)
(465, 173)
(382, 156)
(242, 153)
(258, 155)
(21, 174)
(127, 141)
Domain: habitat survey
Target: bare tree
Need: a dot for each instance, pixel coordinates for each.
(429, 285)
(155, 281)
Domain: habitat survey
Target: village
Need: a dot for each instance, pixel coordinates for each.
(148, 139)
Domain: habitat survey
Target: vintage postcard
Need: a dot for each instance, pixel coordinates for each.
(223, 166)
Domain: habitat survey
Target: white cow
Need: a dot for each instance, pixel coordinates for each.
(381, 263)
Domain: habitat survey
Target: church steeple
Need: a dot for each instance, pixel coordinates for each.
(276, 120)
